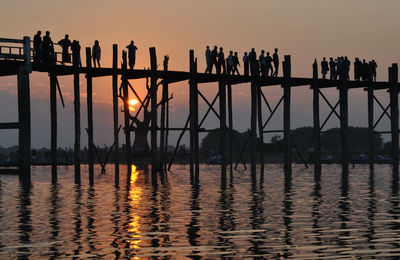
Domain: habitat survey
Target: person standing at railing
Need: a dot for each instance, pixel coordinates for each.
(37, 47)
(96, 53)
(76, 54)
(131, 54)
(48, 49)
(65, 44)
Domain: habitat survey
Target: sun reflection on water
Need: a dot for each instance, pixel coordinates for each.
(135, 194)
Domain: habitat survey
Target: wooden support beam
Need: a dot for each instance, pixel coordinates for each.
(163, 147)
(115, 112)
(317, 131)
(13, 125)
(260, 128)
(77, 116)
(370, 99)
(194, 119)
(344, 124)
(125, 98)
(286, 115)
(222, 126)
(53, 126)
(24, 115)
(89, 99)
(153, 104)
(394, 112)
(253, 126)
(230, 123)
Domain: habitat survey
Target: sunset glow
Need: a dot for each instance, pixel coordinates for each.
(135, 195)
(131, 103)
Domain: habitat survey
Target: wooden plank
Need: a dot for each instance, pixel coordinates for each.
(115, 113)
(11, 56)
(89, 101)
(11, 40)
(11, 125)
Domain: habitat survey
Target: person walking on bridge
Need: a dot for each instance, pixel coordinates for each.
(96, 53)
(246, 64)
(221, 68)
(37, 47)
(275, 59)
(65, 44)
(332, 67)
(253, 62)
(208, 60)
(214, 54)
(131, 54)
(48, 49)
(235, 64)
(76, 54)
(324, 67)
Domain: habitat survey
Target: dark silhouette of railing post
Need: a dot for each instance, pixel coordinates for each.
(115, 111)
(316, 121)
(370, 98)
(194, 113)
(53, 126)
(344, 123)
(286, 115)
(24, 113)
(153, 99)
(77, 125)
(89, 98)
(394, 113)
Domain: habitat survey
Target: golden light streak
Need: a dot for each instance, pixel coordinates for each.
(135, 195)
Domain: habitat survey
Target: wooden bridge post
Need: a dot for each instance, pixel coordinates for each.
(163, 146)
(286, 115)
(344, 124)
(53, 126)
(153, 99)
(24, 114)
(230, 123)
(77, 116)
(89, 98)
(394, 113)
(222, 125)
(253, 125)
(317, 131)
(370, 98)
(125, 93)
(260, 128)
(115, 111)
(194, 114)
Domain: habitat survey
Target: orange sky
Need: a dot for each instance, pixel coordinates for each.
(305, 29)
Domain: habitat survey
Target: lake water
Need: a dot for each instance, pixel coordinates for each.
(358, 217)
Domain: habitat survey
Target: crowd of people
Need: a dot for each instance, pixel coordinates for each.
(340, 69)
(265, 66)
(44, 51)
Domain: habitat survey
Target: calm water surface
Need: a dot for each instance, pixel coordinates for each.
(336, 217)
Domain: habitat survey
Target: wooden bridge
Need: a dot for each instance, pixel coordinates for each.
(16, 59)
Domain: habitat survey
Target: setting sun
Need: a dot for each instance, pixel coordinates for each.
(131, 103)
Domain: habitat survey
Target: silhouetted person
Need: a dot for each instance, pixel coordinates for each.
(65, 44)
(124, 60)
(373, 69)
(37, 47)
(261, 60)
(246, 64)
(235, 63)
(208, 60)
(229, 62)
(76, 54)
(365, 70)
(131, 54)
(339, 66)
(48, 49)
(275, 58)
(324, 67)
(214, 54)
(268, 64)
(96, 53)
(221, 61)
(332, 67)
(253, 62)
(346, 68)
(357, 69)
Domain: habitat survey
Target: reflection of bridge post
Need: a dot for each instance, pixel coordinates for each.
(89, 98)
(115, 111)
(286, 115)
(317, 130)
(24, 112)
(394, 113)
